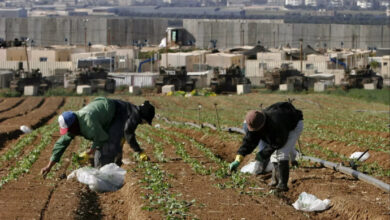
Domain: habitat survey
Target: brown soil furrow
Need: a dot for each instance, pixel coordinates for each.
(343, 131)
(329, 184)
(379, 157)
(217, 203)
(26, 197)
(33, 197)
(29, 104)
(64, 199)
(126, 203)
(10, 128)
(350, 198)
(10, 103)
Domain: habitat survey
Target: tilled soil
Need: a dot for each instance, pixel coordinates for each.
(31, 197)
(351, 199)
(10, 128)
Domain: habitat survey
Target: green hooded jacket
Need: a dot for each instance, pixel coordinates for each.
(94, 120)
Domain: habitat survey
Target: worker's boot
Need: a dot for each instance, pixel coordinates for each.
(262, 166)
(275, 175)
(284, 171)
(262, 163)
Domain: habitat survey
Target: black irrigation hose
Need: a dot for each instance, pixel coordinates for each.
(337, 167)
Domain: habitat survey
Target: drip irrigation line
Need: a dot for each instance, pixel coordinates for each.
(337, 167)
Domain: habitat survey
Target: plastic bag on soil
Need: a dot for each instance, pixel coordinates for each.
(25, 129)
(253, 166)
(108, 178)
(356, 155)
(310, 203)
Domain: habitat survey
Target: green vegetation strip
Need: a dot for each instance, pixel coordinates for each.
(14, 151)
(180, 151)
(379, 96)
(236, 179)
(156, 181)
(24, 165)
(26, 162)
(160, 197)
(373, 143)
(157, 146)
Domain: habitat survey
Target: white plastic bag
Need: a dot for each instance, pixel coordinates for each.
(310, 203)
(356, 155)
(108, 178)
(252, 167)
(25, 129)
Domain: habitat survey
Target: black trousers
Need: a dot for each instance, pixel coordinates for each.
(111, 152)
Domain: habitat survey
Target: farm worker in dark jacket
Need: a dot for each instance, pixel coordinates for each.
(105, 122)
(277, 128)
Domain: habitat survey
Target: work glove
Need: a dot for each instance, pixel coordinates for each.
(83, 157)
(234, 165)
(143, 157)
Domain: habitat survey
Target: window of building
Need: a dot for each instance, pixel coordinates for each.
(309, 66)
(384, 64)
(262, 65)
(43, 59)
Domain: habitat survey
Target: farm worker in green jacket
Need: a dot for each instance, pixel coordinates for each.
(105, 122)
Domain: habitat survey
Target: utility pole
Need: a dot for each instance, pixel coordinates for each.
(151, 62)
(85, 20)
(25, 48)
(109, 36)
(274, 39)
(242, 34)
(300, 54)
(166, 50)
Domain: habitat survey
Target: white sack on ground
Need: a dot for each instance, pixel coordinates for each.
(108, 178)
(356, 155)
(25, 129)
(310, 203)
(252, 167)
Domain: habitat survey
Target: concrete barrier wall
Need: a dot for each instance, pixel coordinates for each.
(228, 33)
(80, 30)
(231, 33)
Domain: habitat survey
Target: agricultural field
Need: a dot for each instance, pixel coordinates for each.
(187, 176)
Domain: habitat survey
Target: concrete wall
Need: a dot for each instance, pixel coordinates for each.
(232, 33)
(82, 30)
(228, 33)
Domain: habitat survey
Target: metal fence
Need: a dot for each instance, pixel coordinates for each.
(135, 79)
